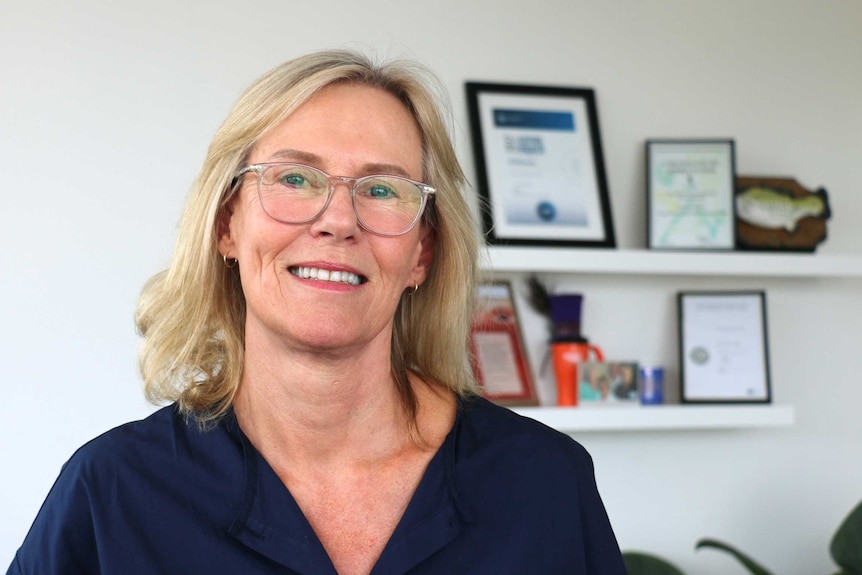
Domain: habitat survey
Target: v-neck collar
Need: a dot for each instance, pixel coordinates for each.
(270, 521)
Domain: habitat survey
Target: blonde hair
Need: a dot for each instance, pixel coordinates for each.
(192, 315)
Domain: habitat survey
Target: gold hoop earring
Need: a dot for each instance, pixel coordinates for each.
(229, 265)
(415, 289)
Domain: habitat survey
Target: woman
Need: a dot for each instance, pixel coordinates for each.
(311, 331)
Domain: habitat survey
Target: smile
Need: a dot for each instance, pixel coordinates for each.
(326, 275)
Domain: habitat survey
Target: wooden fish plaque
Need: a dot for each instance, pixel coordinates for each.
(779, 214)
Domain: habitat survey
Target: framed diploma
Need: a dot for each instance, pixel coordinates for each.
(499, 358)
(723, 347)
(540, 168)
(690, 194)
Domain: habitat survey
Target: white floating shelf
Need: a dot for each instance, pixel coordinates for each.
(661, 417)
(652, 262)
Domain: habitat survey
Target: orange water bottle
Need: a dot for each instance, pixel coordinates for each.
(568, 347)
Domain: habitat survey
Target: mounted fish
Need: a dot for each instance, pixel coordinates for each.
(779, 214)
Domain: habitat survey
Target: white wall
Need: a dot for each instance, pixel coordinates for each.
(106, 108)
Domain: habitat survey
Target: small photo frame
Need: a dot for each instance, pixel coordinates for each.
(690, 194)
(723, 350)
(497, 350)
(608, 383)
(540, 167)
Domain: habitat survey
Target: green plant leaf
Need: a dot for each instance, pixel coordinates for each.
(846, 546)
(644, 564)
(753, 567)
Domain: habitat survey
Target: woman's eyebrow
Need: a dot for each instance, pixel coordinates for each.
(390, 169)
(372, 168)
(296, 156)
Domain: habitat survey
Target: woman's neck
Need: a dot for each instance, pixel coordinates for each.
(320, 407)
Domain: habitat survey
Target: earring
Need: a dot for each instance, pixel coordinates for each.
(415, 289)
(229, 265)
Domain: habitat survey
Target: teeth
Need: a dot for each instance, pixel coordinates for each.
(326, 275)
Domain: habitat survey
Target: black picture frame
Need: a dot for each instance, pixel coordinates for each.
(723, 347)
(691, 187)
(541, 146)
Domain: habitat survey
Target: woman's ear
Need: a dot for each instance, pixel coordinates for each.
(427, 245)
(226, 244)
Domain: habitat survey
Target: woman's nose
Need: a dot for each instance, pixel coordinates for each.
(339, 218)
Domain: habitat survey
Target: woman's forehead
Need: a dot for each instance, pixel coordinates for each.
(350, 125)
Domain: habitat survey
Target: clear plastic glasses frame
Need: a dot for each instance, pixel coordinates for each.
(388, 205)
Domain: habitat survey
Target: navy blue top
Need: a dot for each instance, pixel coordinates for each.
(503, 495)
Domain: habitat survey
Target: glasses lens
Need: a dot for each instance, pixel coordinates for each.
(387, 204)
(292, 193)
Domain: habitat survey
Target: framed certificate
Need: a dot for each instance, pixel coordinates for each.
(723, 347)
(499, 359)
(540, 168)
(690, 194)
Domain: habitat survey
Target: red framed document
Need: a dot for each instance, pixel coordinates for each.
(497, 349)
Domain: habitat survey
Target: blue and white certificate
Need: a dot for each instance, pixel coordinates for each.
(541, 167)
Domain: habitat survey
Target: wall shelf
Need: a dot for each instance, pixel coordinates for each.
(563, 260)
(661, 417)
(651, 262)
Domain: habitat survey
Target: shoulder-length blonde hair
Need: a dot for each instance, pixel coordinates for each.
(192, 315)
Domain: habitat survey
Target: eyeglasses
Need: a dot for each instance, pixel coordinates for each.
(297, 194)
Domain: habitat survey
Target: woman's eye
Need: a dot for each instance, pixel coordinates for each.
(293, 180)
(381, 192)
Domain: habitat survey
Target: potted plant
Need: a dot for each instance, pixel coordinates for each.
(845, 549)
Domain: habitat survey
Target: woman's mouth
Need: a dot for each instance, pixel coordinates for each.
(319, 274)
